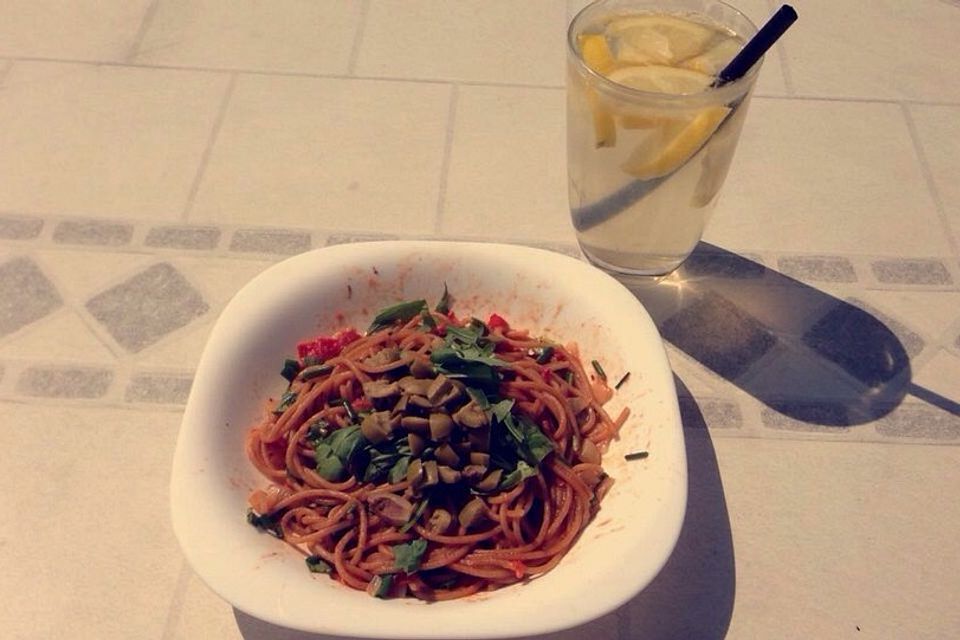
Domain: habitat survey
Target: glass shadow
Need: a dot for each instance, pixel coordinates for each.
(799, 350)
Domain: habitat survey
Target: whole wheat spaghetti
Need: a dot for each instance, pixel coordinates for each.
(432, 456)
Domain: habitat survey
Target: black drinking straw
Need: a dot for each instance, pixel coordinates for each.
(591, 215)
(758, 45)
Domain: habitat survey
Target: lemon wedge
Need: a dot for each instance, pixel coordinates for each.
(675, 143)
(661, 79)
(596, 52)
(656, 39)
(715, 59)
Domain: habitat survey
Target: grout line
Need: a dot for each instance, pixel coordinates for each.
(445, 160)
(928, 178)
(145, 24)
(358, 37)
(208, 150)
(5, 70)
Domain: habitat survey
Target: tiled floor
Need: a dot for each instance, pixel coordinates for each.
(156, 156)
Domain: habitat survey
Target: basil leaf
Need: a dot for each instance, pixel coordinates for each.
(290, 369)
(380, 586)
(427, 321)
(328, 465)
(316, 564)
(501, 410)
(401, 312)
(399, 470)
(520, 473)
(443, 306)
(407, 557)
(536, 445)
(479, 397)
(414, 516)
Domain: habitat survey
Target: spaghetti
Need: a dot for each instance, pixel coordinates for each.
(432, 456)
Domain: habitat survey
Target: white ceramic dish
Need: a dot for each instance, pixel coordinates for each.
(617, 555)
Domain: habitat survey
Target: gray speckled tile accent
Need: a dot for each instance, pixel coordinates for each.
(720, 335)
(59, 382)
(920, 421)
(722, 265)
(167, 389)
(902, 271)
(276, 241)
(146, 307)
(708, 413)
(93, 232)
(818, 268)
(183, 237)
(810, 417)
(20, 227)
(26, 295)
(850, 330)
(347, 238)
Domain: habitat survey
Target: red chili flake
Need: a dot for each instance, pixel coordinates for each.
(326, 347)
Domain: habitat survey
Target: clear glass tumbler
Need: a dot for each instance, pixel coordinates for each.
(649, 139)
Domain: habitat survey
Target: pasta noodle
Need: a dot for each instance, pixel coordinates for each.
(432, 456)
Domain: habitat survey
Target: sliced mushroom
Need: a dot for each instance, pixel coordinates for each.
(490, 482)
(377, 389)
(589, 452)
(590, 475)
(473, 473)
(446, 455)
(386, 359)
(479, 458)
(401, 405)
(391, 507)
(415, 423)
(438, 387)
(412, 385)
(431, 473)
(420, 401)
(376, 426)
(415, 472)
(417, 443)
(440, 426)
(480, 439)
(421, 367)
(473, 513)
(471, 415)
(439, 521)
(577, 404)
(447, 474)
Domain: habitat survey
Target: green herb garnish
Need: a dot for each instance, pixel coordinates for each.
(287, 399)
(401, 312)
(316, 564)
(269, 523)
(520, 473)
(290, 369)
(415, 516)
(407, 556)
(315, 371)
(443, 306)
(335, 454)
(380, 586)
(619, 384)
(599, 370)
(637, 455)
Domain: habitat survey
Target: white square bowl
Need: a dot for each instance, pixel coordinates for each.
(616, 556)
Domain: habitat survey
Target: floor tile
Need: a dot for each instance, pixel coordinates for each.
(83, 273)
(103, 140)
(839, 206)
(471, 40)
(938, 129)
(70, 30)
(507, 179)
(336, 154)
(785, 504)
(61, 337)
(91, 548)
(282, 35)
(26, 294)
(876, 49)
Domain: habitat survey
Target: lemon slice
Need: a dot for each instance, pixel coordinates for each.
(715, 59)
(656, 39)
(596, 52)
(661, 79)
(676, 143)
